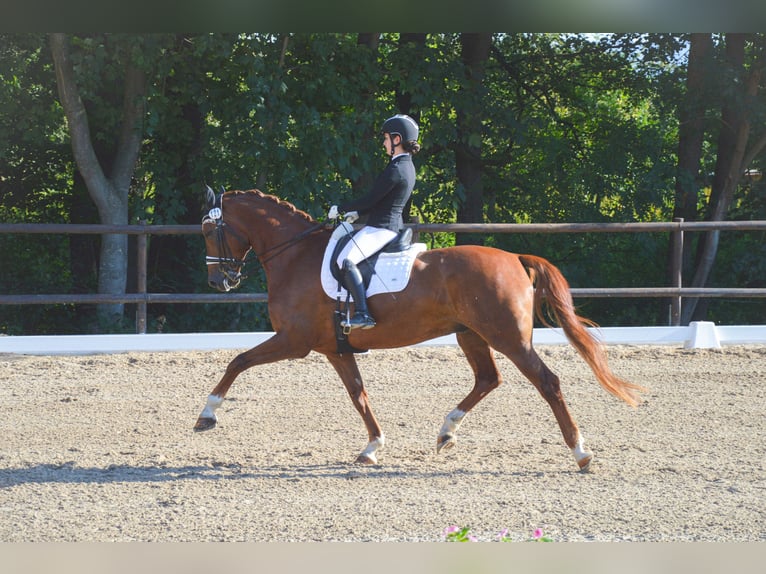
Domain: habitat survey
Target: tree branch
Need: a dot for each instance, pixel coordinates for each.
(131, 133)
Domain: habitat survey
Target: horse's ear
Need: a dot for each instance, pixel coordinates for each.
(209, 197)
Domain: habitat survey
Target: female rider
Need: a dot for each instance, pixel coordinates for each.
(383, 206)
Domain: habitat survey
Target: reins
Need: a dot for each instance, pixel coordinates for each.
(285, 245)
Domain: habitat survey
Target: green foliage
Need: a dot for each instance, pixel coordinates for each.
(31, 267)
(745, 255)
(573, 130)
(35, 157)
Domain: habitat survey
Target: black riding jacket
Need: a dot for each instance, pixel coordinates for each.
(384, 204)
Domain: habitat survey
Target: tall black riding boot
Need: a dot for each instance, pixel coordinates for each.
(352, 279)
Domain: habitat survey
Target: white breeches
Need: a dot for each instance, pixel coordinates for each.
(367, 242)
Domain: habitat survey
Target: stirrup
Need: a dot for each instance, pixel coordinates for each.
(358, 321)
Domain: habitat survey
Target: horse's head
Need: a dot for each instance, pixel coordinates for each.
(226, 249)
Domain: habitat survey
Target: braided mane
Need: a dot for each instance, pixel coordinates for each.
(280, 202)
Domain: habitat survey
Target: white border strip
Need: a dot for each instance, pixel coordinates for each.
(696, 335)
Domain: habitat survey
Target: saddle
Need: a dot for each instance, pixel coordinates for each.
(387, 271)
(400, 243)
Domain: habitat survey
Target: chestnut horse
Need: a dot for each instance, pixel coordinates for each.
(486, 296)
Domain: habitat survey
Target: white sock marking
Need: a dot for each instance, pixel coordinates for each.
(372, 447)
(213, 402)
(579, 450)
(452, 422)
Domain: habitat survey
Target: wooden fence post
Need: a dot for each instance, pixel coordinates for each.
(141, 271)
(676, 270)
(415, 221)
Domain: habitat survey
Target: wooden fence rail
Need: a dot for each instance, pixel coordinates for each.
(675, 292)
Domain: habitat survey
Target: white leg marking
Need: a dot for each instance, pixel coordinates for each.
(213, 402)
(579, 451)
(452, 422)
(372, 447)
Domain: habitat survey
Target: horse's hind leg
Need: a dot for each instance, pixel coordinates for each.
(548, 385)
(487, 378)
(346, 367)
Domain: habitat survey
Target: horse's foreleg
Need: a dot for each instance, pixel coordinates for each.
(346, 367)
(276, 348)
(487, 378)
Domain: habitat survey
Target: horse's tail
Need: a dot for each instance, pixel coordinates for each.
(552, 288)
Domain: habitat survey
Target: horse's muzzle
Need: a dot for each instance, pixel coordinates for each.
(225, 282)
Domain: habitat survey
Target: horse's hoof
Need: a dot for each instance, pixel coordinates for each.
(366, 459)
(204, 423)
(445, 442)
(584, 463)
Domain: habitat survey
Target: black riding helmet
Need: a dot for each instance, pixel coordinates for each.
(403, 126)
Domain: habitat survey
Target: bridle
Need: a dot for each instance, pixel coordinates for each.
(229, 266)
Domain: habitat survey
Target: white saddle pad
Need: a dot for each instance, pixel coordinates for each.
(392, 270)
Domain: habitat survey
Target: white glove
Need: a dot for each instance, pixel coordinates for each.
(333, 213)
(352, 216)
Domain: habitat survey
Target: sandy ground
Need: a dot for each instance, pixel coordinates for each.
(101, 448)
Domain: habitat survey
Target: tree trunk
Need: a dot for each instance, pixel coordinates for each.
(262, 178)
(412, 45)
(367, 55)
(732, 148)
(691, 132)
(109, 193)
(415, 42)
(475, 52)
(369, 39)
